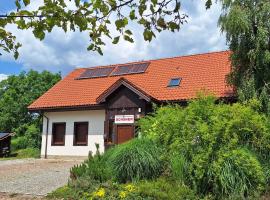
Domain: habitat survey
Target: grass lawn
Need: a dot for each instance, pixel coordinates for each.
(23, 153)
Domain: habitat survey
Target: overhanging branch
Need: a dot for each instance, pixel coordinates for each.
(20, 16)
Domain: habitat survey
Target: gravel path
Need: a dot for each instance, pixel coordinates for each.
(33, 176)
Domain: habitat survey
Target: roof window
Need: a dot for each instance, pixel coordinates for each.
(174, 82)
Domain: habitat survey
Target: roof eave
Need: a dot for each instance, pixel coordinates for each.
(66, 108)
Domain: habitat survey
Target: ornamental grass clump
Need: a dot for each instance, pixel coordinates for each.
(238, 173)
(135, 160)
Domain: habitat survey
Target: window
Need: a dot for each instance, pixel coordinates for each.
(174, 82)
(80, 133)
(58, 134)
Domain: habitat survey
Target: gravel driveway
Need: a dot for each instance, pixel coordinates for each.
(33, 176)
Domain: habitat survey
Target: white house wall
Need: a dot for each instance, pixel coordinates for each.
(96, 120)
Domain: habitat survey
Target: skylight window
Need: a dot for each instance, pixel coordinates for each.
(174, 82)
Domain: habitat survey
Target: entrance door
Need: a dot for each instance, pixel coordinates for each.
(124, 133)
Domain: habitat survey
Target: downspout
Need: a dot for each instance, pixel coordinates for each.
(47, 132)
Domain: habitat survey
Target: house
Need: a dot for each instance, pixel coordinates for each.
(101, 104)
(5, 139)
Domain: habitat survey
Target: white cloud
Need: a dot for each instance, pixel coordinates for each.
(64, 51)
(3, 77)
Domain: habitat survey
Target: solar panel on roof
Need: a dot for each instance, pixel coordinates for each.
(96, 72)
(131, 69)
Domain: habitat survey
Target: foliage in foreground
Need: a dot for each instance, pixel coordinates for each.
(161, 189)
(136, 160)
(95, 168)
(206, 150)
(97, 18)
(223, 149)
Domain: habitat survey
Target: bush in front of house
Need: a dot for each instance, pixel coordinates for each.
(159, 189)
(136, 160)
(164, 189)
(238, 173)
(95, 167)
(204, 151)
(28, 153)
(178, 167)
(209, 138)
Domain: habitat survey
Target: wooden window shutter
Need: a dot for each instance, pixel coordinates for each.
(80, 133)
(58, 134)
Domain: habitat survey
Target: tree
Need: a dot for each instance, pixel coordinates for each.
(247, 27)
(18, 92)
(95, 17)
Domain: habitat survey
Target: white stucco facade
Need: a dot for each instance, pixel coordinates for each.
(95, 118)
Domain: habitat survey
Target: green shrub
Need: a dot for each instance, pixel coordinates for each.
(238, 173)
(28, 153)
(202, 132)
(135, 160)
(163, 189)
(18, 143)
(64, 192)
(31, 138)
(95, 167)
(84, 184)
(179, 167)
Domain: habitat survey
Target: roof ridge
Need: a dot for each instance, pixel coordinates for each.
(133, 62)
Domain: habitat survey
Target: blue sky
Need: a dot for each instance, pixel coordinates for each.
(8, 67)
(64, 51)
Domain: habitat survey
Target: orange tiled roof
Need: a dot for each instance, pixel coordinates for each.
(198, 72)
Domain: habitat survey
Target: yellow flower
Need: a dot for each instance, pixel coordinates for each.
(100, 193)
(130, 187)
(122, 194)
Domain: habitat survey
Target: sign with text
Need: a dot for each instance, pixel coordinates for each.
(124, 119)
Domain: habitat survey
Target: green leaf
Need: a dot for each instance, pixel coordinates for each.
(142, 8)
(132, 15)
(148, 34)
(90, 47)
(39, 33)
(26, 2)
(18, 5)
(77, 3)
(161, 23)
(121, 23)
(173, 26)
(99, 51)
(154, 2)
(112, 3)
(128, 32)
(208, 4)
(127, 38)
(116, 40)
